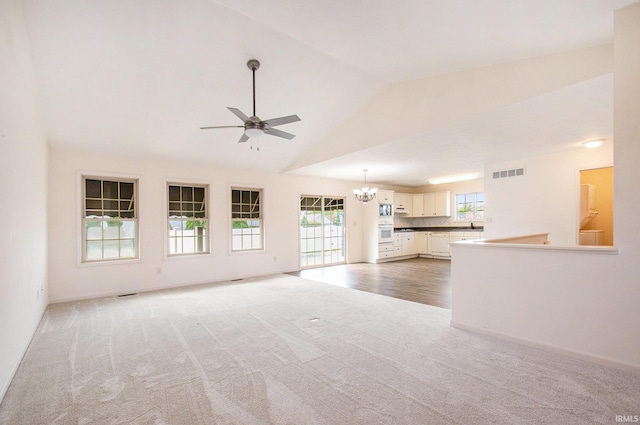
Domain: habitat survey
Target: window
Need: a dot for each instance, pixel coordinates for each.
(109, 219)
(470, 206)
(246, 220)
(188, 219)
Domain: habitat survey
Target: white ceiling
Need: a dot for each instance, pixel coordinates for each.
(140, 77)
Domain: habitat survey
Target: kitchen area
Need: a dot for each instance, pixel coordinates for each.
(414, 225)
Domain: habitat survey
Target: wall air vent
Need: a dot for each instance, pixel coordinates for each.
(508, 173)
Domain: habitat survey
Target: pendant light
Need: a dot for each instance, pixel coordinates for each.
(365, 194)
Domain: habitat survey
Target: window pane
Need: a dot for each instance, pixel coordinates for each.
(236, 244)
(126, 190)
(94, 250)
(126, 206)
(127, 248)
(174, 193)
(93, 230)
(198, 194)
(187, 209)
(112, 230)
(111, 205)
(93, 204)
(111, 249)
(187, 193)
(128, 229)
(93, 188)
(110, 190)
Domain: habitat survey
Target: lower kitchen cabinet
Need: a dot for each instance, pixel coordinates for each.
(397, 245)
(385, 250)
(409, 245)
(423, 239)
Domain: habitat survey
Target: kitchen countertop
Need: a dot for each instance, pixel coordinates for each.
(438, 229)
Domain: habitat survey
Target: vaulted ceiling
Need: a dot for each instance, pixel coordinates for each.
(410, 89)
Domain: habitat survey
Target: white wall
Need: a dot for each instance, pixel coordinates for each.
(577, 301)
(23, 173)
(69, 280)
(545, 199)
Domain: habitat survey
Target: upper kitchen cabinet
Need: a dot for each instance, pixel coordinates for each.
(417, 205)
(402, 203)
(437, 204)
(385, 196)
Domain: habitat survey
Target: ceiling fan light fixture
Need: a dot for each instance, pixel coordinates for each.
(253, 132)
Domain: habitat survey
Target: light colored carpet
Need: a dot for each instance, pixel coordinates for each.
(284, 350)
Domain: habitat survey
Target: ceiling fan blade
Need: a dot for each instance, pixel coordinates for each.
(279, 133)
(244, 138)
(282, 120)
(238, 113)
(222, 126)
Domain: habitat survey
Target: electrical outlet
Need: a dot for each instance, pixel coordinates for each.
(159, 270)
(275, 258)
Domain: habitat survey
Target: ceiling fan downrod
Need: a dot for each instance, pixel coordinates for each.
(253, 65)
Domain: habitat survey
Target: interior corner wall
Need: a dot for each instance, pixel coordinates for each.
(626, 102)
(23, 173)
(70, 280)
(545, 199)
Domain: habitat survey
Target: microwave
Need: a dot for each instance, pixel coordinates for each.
(385, 210)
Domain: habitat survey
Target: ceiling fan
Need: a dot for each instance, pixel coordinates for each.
(254, 126)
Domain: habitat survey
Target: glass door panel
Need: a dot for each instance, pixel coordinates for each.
(322, 235)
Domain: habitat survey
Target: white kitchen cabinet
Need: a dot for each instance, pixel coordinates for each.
(385, 250)
(397, 245)
(385, 196)
(437, 204)
(418, 205)
(409, 245)
(423, 240)
(403, 203)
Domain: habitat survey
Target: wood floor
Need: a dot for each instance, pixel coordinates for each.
(421, 280)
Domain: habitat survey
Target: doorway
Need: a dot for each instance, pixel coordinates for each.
(596, 207)
(322, 231)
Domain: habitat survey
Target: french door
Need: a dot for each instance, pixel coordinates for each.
(322, 232)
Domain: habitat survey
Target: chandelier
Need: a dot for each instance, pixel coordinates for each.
(365, 194)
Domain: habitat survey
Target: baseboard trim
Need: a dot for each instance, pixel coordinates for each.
(158, 288)
(602, 361)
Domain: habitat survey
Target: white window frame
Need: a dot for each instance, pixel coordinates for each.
(475, 206)
(259, 219)
(206, 219)
(83, 176)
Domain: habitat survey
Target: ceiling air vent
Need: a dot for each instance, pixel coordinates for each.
(508, 173)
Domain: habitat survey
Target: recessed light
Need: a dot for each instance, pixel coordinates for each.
(591, 144)
(452, 179)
